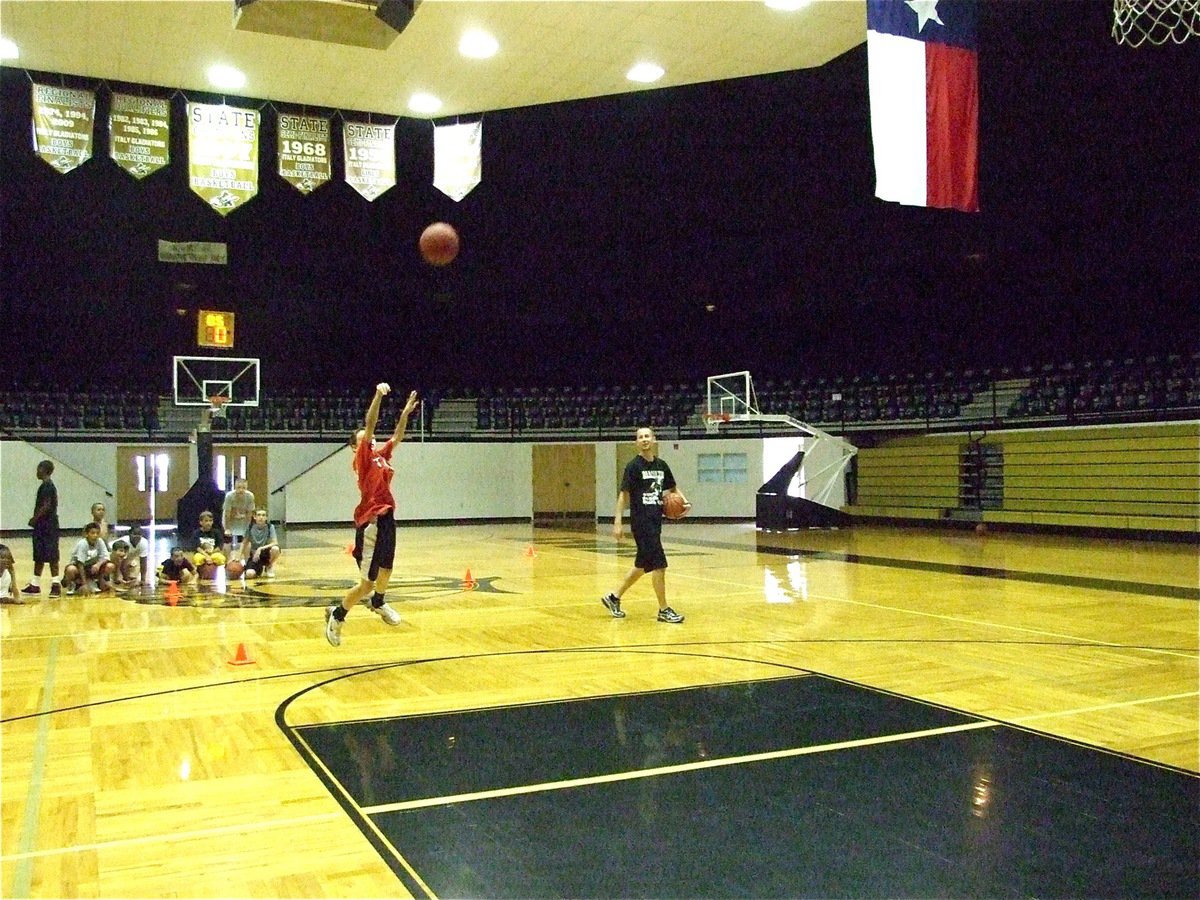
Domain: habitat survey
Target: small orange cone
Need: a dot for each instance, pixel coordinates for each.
(173, 593)
(349, 549)
(469, 582)
(530, 553)
(241, 658)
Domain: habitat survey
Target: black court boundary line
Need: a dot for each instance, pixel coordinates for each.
(388, 854)
(356, 668)
(1080, 581)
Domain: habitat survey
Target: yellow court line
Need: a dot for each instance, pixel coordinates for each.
(670, 770)
(1018, 628)
(1101, 707)
(173, 836)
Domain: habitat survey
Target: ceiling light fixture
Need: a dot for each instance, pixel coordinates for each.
(8, 50)
(645, 72)
(478, 44)
(424, 103)
(787, 5)
(226, 77)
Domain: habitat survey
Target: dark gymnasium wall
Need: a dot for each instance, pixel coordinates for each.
(651, 236)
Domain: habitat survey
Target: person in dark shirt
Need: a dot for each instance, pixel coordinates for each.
(646, 479)
(208, 543)
(178, 568)
(45, 533)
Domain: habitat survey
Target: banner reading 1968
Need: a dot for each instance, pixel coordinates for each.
(304, 157)
(370, 157)
(139, 130)
(223, 154)
(62, 125)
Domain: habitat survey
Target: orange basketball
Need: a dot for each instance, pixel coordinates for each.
(235, 568)
(439, 244)
(673, 507)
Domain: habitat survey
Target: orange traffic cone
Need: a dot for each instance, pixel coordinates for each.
(349, 549)
(530, 553)
(241, 658)
(172, 593)
(469, 582)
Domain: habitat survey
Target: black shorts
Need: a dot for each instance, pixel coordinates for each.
(260, 559)
(375, 546)
(45, 546)
(650, 554)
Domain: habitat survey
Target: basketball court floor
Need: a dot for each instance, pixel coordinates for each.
(864, 712)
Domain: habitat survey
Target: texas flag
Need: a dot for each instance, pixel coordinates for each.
(923, 78)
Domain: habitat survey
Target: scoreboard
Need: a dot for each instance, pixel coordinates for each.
(215, 329)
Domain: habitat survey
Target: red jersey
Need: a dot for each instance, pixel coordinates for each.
(374, 467)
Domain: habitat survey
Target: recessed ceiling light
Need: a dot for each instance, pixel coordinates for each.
(787, 5)
(8, 50)
(424, 103)
(645, 72)
(478, 44)
(226, 77)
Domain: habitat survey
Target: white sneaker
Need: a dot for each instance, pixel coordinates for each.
(333, 628)
(250, 573)
(270, 573)
(385, 612)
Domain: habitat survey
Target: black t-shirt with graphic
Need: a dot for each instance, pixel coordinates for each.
(646, 482)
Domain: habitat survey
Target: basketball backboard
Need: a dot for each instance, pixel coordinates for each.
(197, 378)
(731, 395)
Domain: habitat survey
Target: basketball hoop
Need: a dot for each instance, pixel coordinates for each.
(714, 421)
(1136, 22)
(216, 406)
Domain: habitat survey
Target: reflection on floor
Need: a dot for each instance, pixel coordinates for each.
(801, 786)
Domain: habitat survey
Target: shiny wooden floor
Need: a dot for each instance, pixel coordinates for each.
(139, 760)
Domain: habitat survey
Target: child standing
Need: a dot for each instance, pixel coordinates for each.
(45, 532)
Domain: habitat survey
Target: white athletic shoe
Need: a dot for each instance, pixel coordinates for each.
(385, 612)
(333, 628)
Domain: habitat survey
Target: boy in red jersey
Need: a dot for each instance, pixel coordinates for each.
(374, 518)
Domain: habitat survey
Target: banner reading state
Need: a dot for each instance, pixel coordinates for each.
(139, 131)
(370, 157)
(62, 125)
(223, 154)
(304, 152)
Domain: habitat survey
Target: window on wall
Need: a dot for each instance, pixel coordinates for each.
(226, 470)
(152, 472)
(721, 468)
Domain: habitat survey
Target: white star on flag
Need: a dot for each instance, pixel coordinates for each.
(925, 10)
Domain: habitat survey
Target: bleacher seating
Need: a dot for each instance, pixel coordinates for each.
(1132, 389)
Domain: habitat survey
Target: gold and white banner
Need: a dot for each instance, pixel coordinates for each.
(370, 157)
(305, 157)
(457, 163)
(62, 125)
(223, 154)
(139, 133)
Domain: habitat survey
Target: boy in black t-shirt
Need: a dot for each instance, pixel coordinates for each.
(45, 533)
(645, 481)
(208, 541)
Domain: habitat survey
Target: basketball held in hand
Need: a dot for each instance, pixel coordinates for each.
(673, 506)
(439, 244)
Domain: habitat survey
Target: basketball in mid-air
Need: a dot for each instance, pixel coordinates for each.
(673, 506)
(439, 244)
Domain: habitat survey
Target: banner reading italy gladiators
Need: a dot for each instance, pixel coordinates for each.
(370, 157)
(304, 152)
(62, 125)
(223, 154)
(139, 131)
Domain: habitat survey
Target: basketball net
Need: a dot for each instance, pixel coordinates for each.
(1137, 22)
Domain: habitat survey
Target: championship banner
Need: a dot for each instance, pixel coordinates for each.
(139, 134)
(305, 160)
(62, 125)
(370, 157)
(223, 154)
(457, 163)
